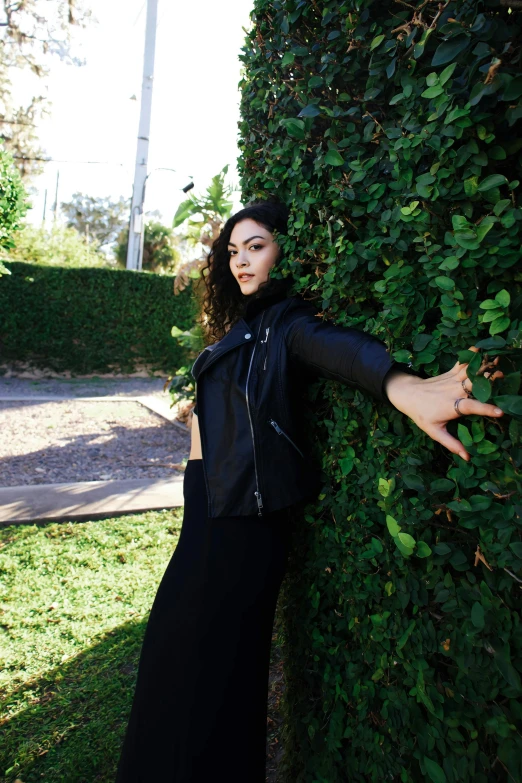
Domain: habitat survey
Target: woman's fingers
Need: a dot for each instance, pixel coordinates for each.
(442, 436)
(469, 406)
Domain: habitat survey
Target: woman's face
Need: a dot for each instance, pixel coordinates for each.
(253, 253)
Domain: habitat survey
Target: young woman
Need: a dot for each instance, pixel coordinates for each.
(199, 709)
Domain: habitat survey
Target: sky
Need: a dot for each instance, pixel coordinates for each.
(195, 107)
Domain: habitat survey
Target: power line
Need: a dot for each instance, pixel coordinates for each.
(74, 162)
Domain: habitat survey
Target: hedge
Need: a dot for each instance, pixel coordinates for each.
(393, 132)
(91, 320)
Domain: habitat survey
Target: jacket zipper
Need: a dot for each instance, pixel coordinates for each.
(257, 493)
(266, 345)
(279, 431)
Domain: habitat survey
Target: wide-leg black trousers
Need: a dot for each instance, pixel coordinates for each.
(200, 704)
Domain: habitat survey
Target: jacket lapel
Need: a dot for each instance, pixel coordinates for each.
(240, 334)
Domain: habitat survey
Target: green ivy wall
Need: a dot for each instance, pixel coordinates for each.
(393, 131)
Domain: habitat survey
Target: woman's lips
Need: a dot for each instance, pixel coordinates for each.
(244, 278)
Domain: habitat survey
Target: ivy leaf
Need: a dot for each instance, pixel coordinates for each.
(393, 527)
(312, 110)
(509, 403)
(449, 50)
(503, 298)
(481, 388)
(493, 181)
(499, 325)
(477, 615)
(332, 158)
(376, 42)
(446, 283)
(288, 58)
(516, 547)
(434, 770)
(432, 92)
(423, 550)
(406, 540)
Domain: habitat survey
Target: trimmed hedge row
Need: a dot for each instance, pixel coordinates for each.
(91, 320)
(393, 131)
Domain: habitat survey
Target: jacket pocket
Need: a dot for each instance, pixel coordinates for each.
(279, 431)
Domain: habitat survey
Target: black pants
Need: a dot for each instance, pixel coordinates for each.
(199, 709)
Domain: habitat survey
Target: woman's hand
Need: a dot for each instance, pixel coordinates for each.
(430, 403)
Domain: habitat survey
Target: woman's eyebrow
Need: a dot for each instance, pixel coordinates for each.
(256, 236)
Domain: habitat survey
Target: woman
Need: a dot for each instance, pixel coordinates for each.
(199, 709)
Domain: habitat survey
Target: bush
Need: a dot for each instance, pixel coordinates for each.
(57, 246)
(12, 200)
(160, 253)
(393, 133)
(91, 320)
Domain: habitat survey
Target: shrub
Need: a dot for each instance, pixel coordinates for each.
(56, 246)
(393, 132)
(91, 320)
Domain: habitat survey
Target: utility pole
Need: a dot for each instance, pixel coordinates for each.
(136, 225)
(55, 207)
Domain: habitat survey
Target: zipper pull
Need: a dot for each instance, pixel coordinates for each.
(276, 426)
(266, 349)
(259, 503)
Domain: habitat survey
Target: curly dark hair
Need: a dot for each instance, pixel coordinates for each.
(223, 301)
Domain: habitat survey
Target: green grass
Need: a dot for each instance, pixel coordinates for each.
(74, 600)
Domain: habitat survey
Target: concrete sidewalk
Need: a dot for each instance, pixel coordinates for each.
(88, 499)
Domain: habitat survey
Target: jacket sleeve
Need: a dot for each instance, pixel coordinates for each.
(338, 353)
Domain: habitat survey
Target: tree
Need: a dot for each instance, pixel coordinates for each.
(31, 32)
(12, 204)
(99, 219)
(203, 216)
(160, 253)
(393, 132)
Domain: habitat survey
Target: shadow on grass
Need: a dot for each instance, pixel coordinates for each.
(67, 726)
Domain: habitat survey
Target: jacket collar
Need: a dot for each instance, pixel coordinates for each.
(256, 305)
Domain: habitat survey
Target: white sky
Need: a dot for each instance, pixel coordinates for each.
(195, 102)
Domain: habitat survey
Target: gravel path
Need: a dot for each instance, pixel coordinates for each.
(81, 387)
(58, 442)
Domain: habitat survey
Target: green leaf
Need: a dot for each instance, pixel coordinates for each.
(464, 436)
(406, 551)
(376, 41)
(435, 772)
(346, 465)
(442, 549)
(413, 481)
(406, 540)
(449, 50)
(477, 615)
(294, 127)
(486, 447)
(513, 90)
(488, 304)
(432, 92)
(493, 181)
(332, 158)
(312, 110)
(406, 635)
(499, 325)
(509, 403)
(423, 550)
(503, 298)
(447, 73)
(288, 58)
(446, 283)
(516, 547)
(442, 485)
(393, 527)
(481, 388)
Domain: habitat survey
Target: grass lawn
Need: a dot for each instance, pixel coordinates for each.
(74, 600)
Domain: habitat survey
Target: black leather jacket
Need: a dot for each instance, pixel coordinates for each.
(248, 389)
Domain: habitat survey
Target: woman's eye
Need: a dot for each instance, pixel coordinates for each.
(255, 247)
